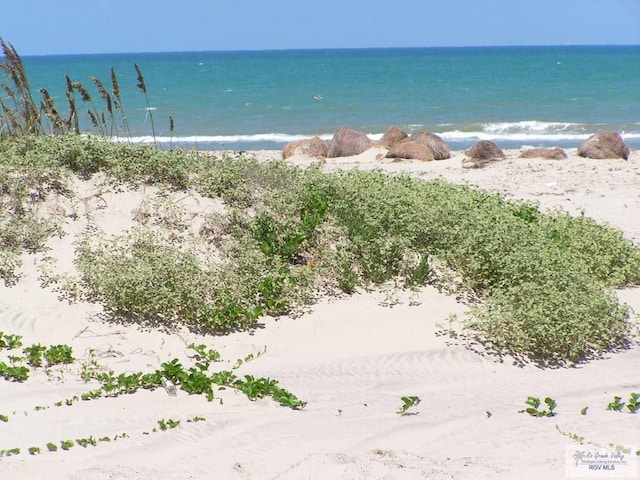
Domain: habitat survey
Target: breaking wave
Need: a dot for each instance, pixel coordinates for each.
(526, 132)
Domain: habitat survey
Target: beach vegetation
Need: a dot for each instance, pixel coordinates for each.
(194, 380)
(168, 424)
(633, 404)
(85, 442)
(21, 114)
(534, 409)
(10, 452)
(541, 284)
(66, 444)
(407, 403)
(616, 404)
(612, 446)
(9, 341)
(34, 354)
(34, 451)
(14, 373)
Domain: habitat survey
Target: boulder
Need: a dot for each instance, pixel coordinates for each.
(411, 150)
(439, 148)
(485, 150)
(309, 147)
(347, 142)
(545, 153)
(481, 154)
(604, 144)
(392, 137)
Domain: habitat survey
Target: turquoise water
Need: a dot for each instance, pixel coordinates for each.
(538, 96)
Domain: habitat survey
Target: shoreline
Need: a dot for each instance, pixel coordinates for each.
(277, 141)
(351, 358)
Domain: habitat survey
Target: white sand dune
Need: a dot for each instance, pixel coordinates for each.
(350, 358)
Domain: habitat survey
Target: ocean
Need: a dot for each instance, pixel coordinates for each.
(515, 96)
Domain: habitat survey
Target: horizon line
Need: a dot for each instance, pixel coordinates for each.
(311, 49)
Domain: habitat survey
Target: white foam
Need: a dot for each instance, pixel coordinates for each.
(223, 139)
(530, 126)
(527, 132)
(515, 137)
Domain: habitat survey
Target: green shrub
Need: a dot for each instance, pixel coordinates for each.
(289, 235)
(25, 183)
(139, 275)
(552, 322)
(609, 256)
(242, 181)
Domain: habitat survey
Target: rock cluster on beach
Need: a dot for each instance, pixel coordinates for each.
(426, 146)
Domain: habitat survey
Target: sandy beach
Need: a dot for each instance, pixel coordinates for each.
(351, 358)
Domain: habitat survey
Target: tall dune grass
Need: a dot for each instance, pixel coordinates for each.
(21, 114)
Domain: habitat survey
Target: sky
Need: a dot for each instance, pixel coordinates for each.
(46, 27)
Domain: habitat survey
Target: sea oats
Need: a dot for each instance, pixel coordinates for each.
(103, 93)
(69, 83)
(143, 89)
(141, 84)
(114, 84)
(25, 107)
(72, 121)
(94, 119)
(84, 93)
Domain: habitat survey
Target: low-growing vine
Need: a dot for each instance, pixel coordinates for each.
(197, 379)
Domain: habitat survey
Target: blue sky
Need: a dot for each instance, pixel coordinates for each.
(40, 27)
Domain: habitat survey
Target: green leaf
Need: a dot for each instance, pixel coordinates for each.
(551, 403)
(533, 401)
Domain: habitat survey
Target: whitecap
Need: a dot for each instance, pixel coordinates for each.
(524, 126)
(223, 139)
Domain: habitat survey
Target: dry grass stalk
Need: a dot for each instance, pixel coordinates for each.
(103, 93)
(171, 128)
(94, 119)
(143, 88)
(58, 125)
(117, 101)
(93, 111)
(73, 123)
(11, 121)
(20, 115)
(84, 93)
(108, 102)
(25, 118)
